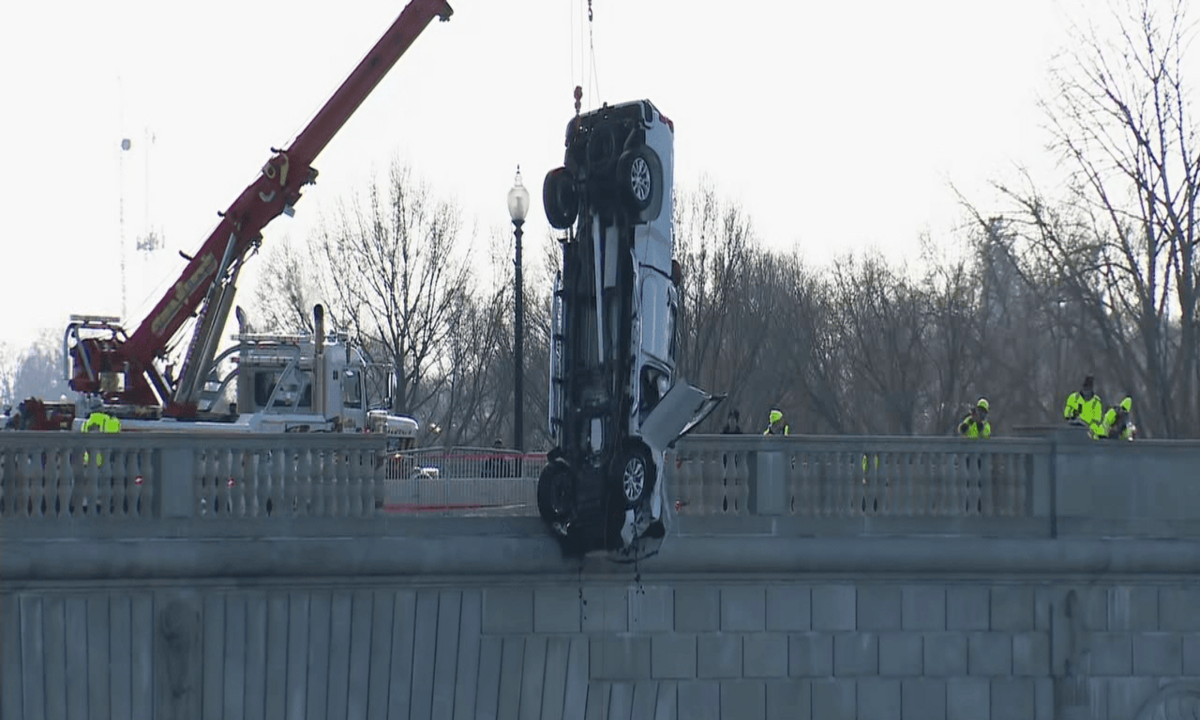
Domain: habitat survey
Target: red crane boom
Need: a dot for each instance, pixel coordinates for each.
(122, 370)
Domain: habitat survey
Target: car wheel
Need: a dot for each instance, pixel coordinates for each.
(554, 492)
(601, 150)
(559, 198)
(635, 174)
(634, 476)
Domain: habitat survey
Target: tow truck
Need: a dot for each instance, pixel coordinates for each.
(129, 375)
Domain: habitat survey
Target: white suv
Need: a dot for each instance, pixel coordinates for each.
(615, 404)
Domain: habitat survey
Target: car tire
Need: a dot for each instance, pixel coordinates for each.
(636, 179)
(554, 492)
(601, 150)
(559, 198)
(633, 475)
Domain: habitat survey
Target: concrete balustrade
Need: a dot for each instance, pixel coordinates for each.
(48, 476)
(1027, 578)
(1060, 483)
(861, 477)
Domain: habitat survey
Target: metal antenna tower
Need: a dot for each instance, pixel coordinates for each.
(125, 145)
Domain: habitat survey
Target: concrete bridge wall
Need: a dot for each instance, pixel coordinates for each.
(1061, 607)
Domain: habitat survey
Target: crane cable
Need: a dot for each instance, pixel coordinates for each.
(571, 35)
(587, 53)
(594, 82)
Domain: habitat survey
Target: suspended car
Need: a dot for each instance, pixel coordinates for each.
(616, 403)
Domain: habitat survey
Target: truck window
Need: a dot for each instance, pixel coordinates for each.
(293, 385)
(654, 382)
(264, 383)
(351, 389)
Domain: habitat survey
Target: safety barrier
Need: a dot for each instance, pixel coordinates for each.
(248, 480)
(1037, 486)
(59, 475)
(463, 481)
(856, 477)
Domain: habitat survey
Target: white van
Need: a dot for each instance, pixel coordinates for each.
(615, 403)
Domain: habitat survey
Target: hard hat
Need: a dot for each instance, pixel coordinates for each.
(982, 404)
(776, 416)
(1127, 404)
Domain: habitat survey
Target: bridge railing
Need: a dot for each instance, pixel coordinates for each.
(63, 475)
(51, 476)
(1055, 484)
(857, 477)
(463, 480)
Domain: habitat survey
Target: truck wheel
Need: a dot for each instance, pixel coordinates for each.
(635, 175)
(554, 492)
(559, 198)
(633, 475)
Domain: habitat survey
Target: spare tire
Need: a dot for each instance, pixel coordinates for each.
(559, 198)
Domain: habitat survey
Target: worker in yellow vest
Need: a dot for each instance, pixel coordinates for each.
(100, 422)
(1085, 408)
(975, 424)
(775, 424)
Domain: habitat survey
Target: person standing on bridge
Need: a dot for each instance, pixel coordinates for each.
(1085, 408)
(100, 422)
(975, 425)
(496, 466)
(775, 424)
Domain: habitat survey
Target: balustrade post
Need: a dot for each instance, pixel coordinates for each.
(175, 468)
(768, 483)
(379, 475)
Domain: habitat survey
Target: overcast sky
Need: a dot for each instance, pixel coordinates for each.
(838, 125)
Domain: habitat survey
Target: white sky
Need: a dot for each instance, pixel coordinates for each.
(838, 125)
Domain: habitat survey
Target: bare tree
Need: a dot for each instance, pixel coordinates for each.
(393, 268)
(35, 371)
(475, 398)
(285, 295)
(814, 385)
(881, 322)
(1122, 247)
(727, 302)
(951, 340)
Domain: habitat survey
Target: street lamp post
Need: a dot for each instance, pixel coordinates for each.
(518, 207)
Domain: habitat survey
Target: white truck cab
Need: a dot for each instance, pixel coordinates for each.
(615, 401)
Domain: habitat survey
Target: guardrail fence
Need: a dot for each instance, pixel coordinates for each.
(1036, 485)
(844, 477)
(462, 481)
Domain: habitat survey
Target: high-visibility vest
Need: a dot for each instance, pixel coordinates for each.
(1089, 412)
(95, 422)
(781, 429)
(1124, 431)
(973, 427)
(100, 422)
